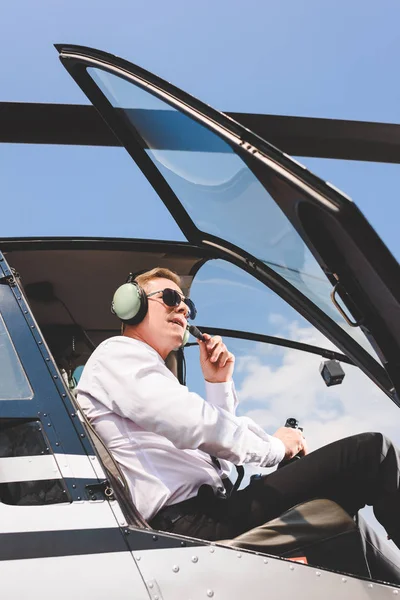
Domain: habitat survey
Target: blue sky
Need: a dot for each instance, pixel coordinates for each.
(309, 59)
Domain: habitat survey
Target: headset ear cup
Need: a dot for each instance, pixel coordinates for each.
(185, 337)
(130, 303)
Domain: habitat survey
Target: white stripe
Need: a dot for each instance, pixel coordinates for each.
(39, 468)
(79, 466)
(55, 517)
(28, 468)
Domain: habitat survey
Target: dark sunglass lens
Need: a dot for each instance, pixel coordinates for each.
(192, 308)
(171, 297)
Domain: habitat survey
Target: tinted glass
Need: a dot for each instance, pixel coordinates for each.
(18, 440)
(14, 384)
(371, 185)
(220, 193)
(229, 298)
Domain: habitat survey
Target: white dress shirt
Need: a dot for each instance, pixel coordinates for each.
(161, 434)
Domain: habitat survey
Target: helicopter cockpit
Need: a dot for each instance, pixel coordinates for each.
(233, 304)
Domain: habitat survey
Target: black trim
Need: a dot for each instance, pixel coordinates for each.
(72, 243)
(139, 539)
(276, 341)
(41, 544)
(78, 542)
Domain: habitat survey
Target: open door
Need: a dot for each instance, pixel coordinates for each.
(231, 191)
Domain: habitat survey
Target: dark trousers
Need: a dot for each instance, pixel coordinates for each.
(355, 471)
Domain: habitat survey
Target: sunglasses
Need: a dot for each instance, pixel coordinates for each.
(173, 298)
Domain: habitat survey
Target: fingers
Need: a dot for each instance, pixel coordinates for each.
(304, 449)
(203, 349)
(293, 440)
(215, 350)
(296, 440)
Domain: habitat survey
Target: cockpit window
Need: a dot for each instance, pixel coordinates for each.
(227, 297)
(14, 384)
(220, 193)
(274, 383)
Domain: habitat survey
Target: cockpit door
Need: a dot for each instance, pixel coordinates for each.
(230, 190)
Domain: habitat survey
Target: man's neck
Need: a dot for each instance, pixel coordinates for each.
(135, 335)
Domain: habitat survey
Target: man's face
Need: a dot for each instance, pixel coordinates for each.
(163, 327)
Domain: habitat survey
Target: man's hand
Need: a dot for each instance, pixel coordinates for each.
(293, 440)
(216, 362)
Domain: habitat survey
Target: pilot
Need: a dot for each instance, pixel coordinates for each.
(175, 448)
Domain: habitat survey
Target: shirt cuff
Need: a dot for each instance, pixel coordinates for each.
(222, 395)
(277, 453)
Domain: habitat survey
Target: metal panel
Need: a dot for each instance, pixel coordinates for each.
(222, 573)
(59, 517)
(99, 576)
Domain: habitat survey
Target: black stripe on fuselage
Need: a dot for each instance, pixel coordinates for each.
(41, 544)
(45, 544)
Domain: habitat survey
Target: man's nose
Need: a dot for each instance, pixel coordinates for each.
(183, 308)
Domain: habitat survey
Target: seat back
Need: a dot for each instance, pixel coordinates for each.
(114, 472)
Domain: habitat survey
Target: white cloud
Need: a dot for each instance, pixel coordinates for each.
(269, 393)
(277, 320)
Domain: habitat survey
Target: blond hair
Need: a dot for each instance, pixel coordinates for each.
(157, 273)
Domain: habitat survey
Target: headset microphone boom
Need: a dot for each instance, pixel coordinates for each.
(196, 333)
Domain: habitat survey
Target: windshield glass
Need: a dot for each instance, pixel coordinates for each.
(220, 193)
(229, 298)
(14, 384)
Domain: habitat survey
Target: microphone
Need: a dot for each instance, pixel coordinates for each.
(196, 333)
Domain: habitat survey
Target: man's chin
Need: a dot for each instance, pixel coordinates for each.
(177, 343)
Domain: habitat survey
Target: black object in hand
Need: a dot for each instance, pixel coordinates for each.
(293, 424)
(196, 333)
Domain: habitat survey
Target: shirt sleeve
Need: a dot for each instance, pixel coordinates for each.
(134, 382)
(222, 395)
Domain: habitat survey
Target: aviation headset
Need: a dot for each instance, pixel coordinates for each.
(130, 304)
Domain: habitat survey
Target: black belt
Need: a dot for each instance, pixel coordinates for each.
(168, 515)
(206, 497)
